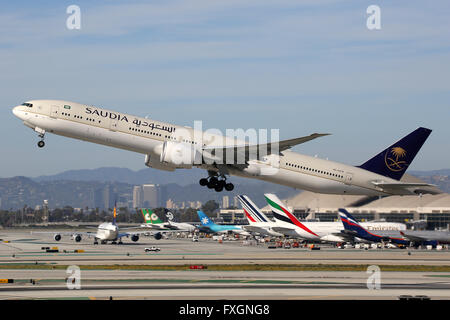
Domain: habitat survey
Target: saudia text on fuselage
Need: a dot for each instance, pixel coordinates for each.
(119, 117)
(106, 114)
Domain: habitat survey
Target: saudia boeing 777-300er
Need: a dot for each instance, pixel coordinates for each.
(169, 147)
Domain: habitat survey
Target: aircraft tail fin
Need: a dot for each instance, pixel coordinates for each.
(395, 160)
(283, 215)
(115, 215)
(150, 217)
(350, 223)
(204, 219)
(252, 212)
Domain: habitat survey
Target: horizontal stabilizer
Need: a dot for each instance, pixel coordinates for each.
(407, 187)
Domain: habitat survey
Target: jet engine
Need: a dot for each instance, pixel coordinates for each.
(153, 162)
(158, 236)
(181, 155)
(57, 237)
(134, 238)
(77, 237)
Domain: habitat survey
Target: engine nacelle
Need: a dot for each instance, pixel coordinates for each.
(158, 236)
(153, 162)
(181, 155)
(253, 169)
(77, 237)
(57, 237)
(134, 238)
(267, 167)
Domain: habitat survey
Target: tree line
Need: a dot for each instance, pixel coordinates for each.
(26, 215)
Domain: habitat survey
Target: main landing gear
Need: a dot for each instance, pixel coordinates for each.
(216, 183)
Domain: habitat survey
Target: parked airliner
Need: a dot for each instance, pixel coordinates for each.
(168, 147)
(153, 221)
(289, 225)
(258, 221)
(106, 231)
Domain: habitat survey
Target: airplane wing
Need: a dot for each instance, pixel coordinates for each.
(66, 233)
(127, 234)
(282, 229)
(346, 236)
(254, 229)
(412, 237)
(249, 152)
(406, 186)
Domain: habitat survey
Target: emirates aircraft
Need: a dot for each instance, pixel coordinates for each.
(168, 147)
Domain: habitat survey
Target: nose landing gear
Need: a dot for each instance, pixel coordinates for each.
(41, 133)
(216, 183)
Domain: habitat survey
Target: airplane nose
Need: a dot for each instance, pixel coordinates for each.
(18, 112)
(15, 111)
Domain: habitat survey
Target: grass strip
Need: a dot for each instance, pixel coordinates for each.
(240, 267)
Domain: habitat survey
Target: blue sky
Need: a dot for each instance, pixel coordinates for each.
(300, 66)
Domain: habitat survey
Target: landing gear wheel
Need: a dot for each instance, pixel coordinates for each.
(229, 186)
(217, 183)
(213, 180)
(41, 144)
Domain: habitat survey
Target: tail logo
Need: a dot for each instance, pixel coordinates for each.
(169, 215)
(393, 159)
(205, 220)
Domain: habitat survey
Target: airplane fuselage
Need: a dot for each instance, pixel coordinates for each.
(107, 231)
(147, 136)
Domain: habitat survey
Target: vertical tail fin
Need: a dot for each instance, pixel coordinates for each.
(281, 213)
(114, 215)
(150, 217)
(204, 219)
(254, 215)
(351, 224)
(393, 161)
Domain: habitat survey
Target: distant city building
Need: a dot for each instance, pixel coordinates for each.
(225, 202)
(149, 196)
(236, 201)
(137, 196)
(109, 197)
(170, 204)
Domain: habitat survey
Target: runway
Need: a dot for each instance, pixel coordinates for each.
(22, 259)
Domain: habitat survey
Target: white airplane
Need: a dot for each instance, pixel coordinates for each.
(153, 221)
(169, 147)
(258, 221)
(289, 225)
(107, 231)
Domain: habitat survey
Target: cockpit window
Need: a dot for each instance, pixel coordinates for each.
(29, 105)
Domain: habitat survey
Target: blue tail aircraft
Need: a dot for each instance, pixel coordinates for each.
(353, 227)
(212, 227)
